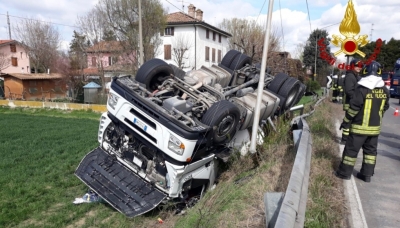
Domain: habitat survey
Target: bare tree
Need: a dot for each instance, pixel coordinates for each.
(41, 40)
(180, 50)
(5, 61)
(299, 50)
(121, 17)
(248, 37)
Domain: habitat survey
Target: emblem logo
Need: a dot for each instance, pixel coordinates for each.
(349, 28)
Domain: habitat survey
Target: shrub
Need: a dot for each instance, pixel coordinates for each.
(312, 86)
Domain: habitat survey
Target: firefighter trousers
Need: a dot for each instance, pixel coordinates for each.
(353, 145)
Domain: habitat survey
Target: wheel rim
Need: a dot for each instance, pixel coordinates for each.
(225, 125)
(291, 97)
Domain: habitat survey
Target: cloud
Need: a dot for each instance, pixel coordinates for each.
(296, 26)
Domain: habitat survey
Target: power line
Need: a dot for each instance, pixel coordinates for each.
(308, 12)
(262, 7)
(40, 21)
(174, 6)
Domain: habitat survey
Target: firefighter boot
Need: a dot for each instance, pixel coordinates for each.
(363, 177)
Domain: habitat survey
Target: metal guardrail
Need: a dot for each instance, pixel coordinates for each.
(288, 209)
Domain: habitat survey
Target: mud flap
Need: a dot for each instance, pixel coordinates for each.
(120, 187)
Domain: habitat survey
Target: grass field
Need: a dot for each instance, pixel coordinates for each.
(40, 150)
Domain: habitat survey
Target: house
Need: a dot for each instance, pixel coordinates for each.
(189, 42)
(13, 57)
(108, 58)
(23, 86)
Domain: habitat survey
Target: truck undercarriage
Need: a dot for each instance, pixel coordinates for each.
(165, 130)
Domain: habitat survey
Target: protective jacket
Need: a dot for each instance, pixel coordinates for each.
(370, 101)
(350, 84)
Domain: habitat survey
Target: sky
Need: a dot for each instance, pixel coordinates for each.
(290, 18)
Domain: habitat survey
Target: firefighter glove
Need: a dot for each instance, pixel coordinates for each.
(344, 125)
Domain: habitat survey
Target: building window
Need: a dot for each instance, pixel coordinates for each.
(207, 33)
(169, 31)
(213, 55)
(214, 36)
(167, 52)
(14, 61)
(13, 48)
(27, 69)
(207, 54)
(93, 61)
(219, 55)
(219, 38)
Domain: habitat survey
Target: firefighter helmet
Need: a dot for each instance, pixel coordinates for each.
(372, 68)
(356, 63)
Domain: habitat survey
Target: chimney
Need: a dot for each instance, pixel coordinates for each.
(199, 14)
(191, 10)
(48, 71)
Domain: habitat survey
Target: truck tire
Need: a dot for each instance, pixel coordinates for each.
(229, 57)
(178, 72)
(277, 82)
(152, 73)
(223, 116)
(240, 61)
(289, 90)
(301, 93)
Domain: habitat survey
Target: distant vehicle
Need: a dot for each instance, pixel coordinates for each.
(386, 76)
(395, 81)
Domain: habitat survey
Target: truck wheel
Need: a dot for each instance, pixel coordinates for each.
(289, 90)
(152, 73)
(223, 116)
(300, 94)
(229, 57)
(240, 61)
(277, 82)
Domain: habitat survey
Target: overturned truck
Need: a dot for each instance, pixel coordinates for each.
(165, 130)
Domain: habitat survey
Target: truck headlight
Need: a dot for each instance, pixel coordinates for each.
(175, 145)
(112, 100)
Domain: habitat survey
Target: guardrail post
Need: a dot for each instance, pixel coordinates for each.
(272, 202)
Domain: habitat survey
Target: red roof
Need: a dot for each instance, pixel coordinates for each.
(6, 41)
(106, 46)
(180, 17)
(33, 76)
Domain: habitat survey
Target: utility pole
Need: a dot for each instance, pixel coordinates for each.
(9, 26)
(140, 35)
(372, 29)
(254, 131)
(315, 63)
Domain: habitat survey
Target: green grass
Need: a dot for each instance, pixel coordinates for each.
(40, 150)
(308, 99)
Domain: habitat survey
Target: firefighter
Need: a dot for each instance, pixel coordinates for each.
(363, 118)
(334, 88)
(350, 82)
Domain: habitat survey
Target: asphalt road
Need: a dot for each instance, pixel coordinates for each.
(380, 198)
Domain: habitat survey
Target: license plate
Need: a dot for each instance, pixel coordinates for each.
(140, 124)
(137, 161)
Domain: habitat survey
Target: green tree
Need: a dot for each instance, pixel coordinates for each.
(389, 53)
(309, 54)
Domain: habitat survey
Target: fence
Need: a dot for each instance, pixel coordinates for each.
(56, 105)
(288, 209)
